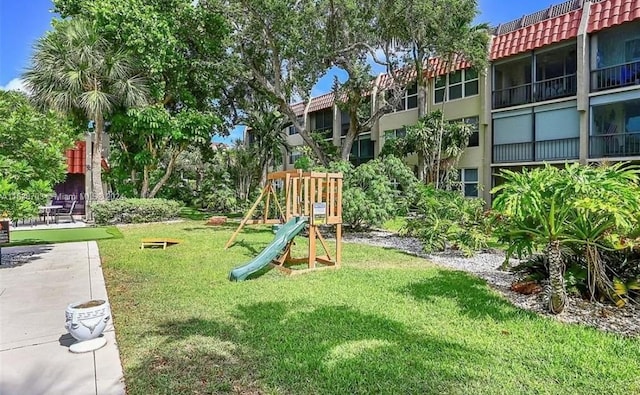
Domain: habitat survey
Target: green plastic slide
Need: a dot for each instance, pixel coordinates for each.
(283, 236)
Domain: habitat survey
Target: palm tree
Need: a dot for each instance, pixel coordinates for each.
(268, 139)
(76, 71)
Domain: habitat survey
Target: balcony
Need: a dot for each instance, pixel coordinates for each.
(549, 89)
(536, 151)
(615, 76)
(556, 88)
(512, 96)
(614, 145)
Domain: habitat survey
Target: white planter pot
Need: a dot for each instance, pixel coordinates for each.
(86, 322)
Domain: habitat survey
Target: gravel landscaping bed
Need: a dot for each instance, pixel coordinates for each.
(625, 321)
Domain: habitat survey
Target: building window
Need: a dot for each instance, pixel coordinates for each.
(292, 129)
(345, 120)
(362, 149)
(395, 133)
(409, 98)
(294, 156)
(323, 123)
(469, 182)
(462, 83)
(473, 122)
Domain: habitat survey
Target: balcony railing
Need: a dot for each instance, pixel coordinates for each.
(512, 96)
(615, 76)
(614, 145)
(555, 88)
(559, 149)
(541, 150)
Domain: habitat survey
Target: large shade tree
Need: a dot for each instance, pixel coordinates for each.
(75, 70)
(289, 45)
(32, 145)
(180, 46)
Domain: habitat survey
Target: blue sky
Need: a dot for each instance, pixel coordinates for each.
(22, 22)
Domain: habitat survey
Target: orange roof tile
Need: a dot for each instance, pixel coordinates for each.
(317, 103)
(76, 159)
(608, 13)
(549, 31)
(435, 67)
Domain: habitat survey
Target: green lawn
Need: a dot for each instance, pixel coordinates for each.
(52, 236)
(386, 323)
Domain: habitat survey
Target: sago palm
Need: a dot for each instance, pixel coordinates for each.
(581, 207)
(75, 71)
(536, 214)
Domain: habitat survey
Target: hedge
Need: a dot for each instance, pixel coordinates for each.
(135, 211)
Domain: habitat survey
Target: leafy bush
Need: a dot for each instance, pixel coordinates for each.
(589, 210)
(370, 196)
(448, 218)
(129, 211)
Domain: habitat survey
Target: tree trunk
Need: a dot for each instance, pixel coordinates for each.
(597, 279)
(96, 162)
(421, 167)
(558, 295)
(144, 189)
(165, 176)
(264, 170)
(351, 136)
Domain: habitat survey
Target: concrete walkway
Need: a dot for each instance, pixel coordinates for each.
(35, 288)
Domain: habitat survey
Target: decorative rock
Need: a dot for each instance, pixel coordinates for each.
(216, 220)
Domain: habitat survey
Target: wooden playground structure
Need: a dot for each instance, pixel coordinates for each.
(313, 195)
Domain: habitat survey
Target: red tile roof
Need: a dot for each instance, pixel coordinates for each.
(317, 103)
(537, 35)
(435, 67)
(76, 159)
(608, 13)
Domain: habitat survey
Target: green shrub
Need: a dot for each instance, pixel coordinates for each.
(132, 211)
(448, 218)
(375, 192)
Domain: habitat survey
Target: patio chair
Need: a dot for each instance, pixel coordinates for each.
(67, 213)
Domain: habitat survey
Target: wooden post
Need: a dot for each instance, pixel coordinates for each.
(266, 206)
(244, 220)
(339, 225)
(307, 210)
(338, 244)
(287, 197)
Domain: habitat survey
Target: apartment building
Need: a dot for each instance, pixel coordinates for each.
(563, 85)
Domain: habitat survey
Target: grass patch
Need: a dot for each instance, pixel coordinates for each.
(395, 224)
(53, 236)
(199, 215)
(386, 323)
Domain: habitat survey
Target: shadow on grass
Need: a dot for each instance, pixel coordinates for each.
(470, 294)
(296, 349)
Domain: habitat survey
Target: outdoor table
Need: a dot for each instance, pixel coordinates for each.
(49, 211)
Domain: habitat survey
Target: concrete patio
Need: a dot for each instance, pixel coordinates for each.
(35, 288)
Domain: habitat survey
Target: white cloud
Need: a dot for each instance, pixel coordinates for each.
(15, 84)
